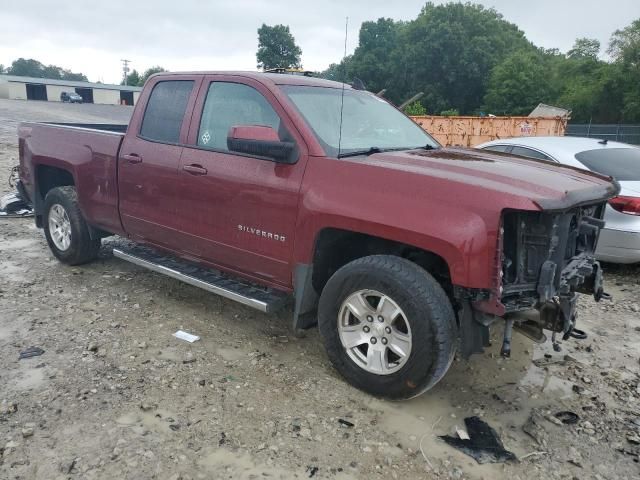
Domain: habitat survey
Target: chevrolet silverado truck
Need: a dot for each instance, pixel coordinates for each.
(274, 189)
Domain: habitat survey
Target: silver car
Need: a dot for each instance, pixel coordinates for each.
(620, 239)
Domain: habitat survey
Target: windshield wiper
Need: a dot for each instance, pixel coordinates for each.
(423, 147)
(373, 150)
(357, 153)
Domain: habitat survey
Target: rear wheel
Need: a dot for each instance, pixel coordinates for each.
(388, 326)
(65, 229)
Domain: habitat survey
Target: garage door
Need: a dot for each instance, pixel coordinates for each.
(36, 91)
(126, 97)
(86, 94)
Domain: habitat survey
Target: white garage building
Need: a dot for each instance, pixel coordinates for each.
(29, 88)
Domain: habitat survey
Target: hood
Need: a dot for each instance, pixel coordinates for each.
(551, 186)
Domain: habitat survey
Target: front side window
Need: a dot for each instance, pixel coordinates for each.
(232, 104)
(367, 120)
(165, 111)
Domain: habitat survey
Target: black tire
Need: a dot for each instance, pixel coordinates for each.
(82, 248)
(429, 314)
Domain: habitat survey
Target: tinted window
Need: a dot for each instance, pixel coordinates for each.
(165, 111)
(619, 163)
(231, 104)
(497, 148)
(527, 152)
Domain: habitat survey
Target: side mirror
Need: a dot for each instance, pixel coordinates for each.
(260, 141)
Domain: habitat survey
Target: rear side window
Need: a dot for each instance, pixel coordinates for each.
(165, 111)
(232, 104)
(497, 148)
(528, 152)
(619, 163)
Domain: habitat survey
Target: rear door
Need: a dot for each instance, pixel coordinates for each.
(240, 211)
(149, 160)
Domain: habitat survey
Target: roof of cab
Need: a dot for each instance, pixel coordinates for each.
(274, 78)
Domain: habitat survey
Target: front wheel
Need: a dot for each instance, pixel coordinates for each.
(388, 326)
(65, 229)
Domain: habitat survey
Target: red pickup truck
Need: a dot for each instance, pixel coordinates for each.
(269, 188)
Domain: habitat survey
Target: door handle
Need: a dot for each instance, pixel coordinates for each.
(132, 157)
(195, 169)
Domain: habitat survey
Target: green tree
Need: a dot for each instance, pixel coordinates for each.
(415, 108)
(447, 52)
(148, 72)
(277, 48)
(450, 113)
(32, 68)
(587, 86)
(588, 48)
(23, 67)
(378, 42)
(1, 68)
(133, 78)
(518, 84)
(464, 57)
(338, 71)
(597, 96)
(624, 47)
(69, 75)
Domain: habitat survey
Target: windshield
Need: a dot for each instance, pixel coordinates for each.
(367, 120)
(623, 164)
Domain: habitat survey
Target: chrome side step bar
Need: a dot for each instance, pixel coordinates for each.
(263, 299)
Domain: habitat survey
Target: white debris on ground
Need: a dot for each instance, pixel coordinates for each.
(187, 337)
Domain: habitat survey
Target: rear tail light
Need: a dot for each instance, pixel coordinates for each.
(629, 205)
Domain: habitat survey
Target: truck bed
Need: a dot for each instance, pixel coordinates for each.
(89, 151)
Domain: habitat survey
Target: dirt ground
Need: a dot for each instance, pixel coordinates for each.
(115, 396)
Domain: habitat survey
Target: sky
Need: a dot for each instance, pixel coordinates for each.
(93, 36)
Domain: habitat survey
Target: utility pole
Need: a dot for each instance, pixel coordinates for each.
(125, 69)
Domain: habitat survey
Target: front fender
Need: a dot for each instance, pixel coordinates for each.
(462, 238)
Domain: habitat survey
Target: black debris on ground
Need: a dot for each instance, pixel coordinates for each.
(13, 205)
(31, 352)
(484, 444)
(345, 423)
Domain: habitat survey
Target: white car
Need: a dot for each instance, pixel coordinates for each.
(620, 239)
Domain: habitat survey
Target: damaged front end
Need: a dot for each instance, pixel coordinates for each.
(545, 259)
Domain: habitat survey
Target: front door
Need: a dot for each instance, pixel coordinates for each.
(239, 210)
(148, 165)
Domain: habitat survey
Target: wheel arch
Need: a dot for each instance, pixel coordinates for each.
(335, 247)
(48, 177)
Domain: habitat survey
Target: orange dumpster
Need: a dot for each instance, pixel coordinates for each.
(472, 131)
